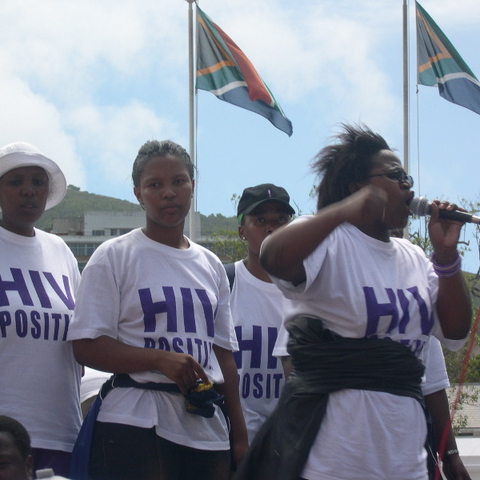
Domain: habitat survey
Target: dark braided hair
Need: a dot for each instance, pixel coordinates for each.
(345, 162)
(155, 148)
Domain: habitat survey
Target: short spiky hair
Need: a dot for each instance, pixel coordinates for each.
(345, 162)
(155, 148)
(18, 433)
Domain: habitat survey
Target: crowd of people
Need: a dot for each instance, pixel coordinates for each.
(318, 356)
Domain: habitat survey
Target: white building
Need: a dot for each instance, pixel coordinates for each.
(84, 235)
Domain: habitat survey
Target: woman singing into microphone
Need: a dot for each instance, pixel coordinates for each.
(360, 306)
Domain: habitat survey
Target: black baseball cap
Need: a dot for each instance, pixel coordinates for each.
(252, 197)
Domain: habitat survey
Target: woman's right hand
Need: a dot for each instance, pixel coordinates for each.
(111, 355)
(182, 368)
(364, 206)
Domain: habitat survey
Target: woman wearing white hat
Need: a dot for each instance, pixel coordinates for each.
(39, 377)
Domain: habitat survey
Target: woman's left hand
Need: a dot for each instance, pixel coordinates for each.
(454, 306)
(444, 234)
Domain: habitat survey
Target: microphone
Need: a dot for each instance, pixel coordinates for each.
(420, 206)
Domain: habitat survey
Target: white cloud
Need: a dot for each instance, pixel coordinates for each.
(89, 82)
(328, 52)
(454, 13)
(27, 116)
(112, 135)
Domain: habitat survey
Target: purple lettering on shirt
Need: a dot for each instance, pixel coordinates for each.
(254, 346)
(67, 324)
(245, 387)
(21, 323)
(177, 345)
(17, 284)
(198, 343)
(278, 378)
(40, 289)
(376, 310)
(402, 325)
(393, 300)
(272, 338)
(426, 319)
(189, 346)
(5, 321)
(36, 330)
(148, 342)
(207, 348)
(56, 324)
(66, 296)
(257, 382)
(151, 308)
(163, 344)
(207, 311)
(268, 386)
(188, 311)
(46, 324)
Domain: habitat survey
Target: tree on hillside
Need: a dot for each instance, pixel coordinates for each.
(228, 247)
(226, 244)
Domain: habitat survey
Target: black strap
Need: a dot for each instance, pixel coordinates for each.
(197, 402)
(230, 269)
(123, 380)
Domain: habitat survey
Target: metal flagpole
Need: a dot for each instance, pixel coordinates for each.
(191, 115)
(406, 87)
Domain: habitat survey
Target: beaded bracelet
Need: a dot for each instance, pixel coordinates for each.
(449, 270)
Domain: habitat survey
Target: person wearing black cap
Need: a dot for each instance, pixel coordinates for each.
(256, 304)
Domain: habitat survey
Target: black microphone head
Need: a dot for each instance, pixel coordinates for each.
(420, 206)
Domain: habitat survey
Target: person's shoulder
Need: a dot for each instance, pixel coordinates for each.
(121, 241)
(47, 237)
(201, 250)
(113, 249)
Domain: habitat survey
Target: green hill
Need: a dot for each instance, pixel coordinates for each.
(76, 203)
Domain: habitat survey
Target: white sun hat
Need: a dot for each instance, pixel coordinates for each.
(22, 154)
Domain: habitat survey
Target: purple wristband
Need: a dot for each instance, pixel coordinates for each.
(449, 270)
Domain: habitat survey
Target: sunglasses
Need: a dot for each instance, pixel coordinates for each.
(399, 175)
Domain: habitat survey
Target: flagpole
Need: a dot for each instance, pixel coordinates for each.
(406, 87)
(191, 116)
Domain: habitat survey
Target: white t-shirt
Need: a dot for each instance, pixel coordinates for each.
(363, 287)
(436, 377)
(257, 315)
(149, 295)
(39, 377)
(91, 383)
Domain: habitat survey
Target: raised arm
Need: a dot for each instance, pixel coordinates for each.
(285, 249)
(110, 355)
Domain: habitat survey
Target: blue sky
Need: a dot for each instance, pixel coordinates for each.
(89, 82)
